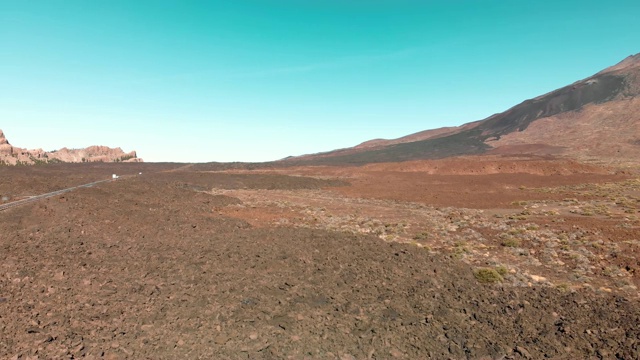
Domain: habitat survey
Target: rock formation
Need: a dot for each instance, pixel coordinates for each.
(11, 155)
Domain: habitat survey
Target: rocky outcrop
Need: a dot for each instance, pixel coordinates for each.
(3, 139)
(11, 155)
(5, 148)
(93, 154)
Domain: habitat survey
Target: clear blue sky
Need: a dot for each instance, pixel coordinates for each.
(259, 80)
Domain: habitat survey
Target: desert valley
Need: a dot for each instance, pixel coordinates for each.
(512, 237)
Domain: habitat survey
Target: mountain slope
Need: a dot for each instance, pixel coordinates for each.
(605, 106)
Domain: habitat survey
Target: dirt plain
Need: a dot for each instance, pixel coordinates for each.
(470, 258)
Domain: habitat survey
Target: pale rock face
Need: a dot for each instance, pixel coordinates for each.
(3, 139)
(5, 148)
(10, 155)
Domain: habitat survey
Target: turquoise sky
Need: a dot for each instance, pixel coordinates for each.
(260, 80)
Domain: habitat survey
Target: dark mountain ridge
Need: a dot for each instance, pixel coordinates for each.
(621, 81)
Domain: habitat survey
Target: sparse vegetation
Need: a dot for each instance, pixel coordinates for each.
(538, 252)
(502, 270)
(487, 275)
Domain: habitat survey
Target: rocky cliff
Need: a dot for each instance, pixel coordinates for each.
(11, 155)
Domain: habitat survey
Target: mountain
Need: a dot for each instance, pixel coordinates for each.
(595, 119)
(11, 155)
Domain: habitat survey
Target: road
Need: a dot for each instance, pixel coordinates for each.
(47, 195)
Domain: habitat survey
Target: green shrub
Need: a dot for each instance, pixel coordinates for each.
(502, 270)
(487, 275)
(510, 242)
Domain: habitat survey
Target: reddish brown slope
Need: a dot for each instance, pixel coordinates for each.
(605, 132)
(595, 118)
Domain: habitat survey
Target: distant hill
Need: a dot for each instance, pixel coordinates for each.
(11, 155)
(595, 119)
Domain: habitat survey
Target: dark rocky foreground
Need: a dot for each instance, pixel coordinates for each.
(147, 268)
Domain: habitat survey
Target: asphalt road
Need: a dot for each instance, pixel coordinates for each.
(47, 195)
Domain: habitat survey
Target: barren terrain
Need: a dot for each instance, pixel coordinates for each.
(469, 258)
(593, 119)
